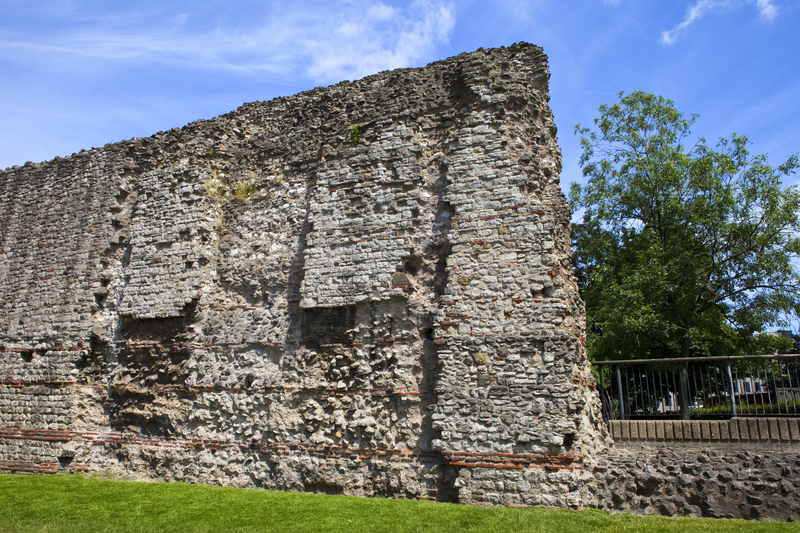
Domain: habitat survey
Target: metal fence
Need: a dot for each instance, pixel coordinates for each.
(700, 387)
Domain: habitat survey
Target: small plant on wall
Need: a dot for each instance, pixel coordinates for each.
(218, 187)
(354, 135)
(215, 184)
(244, 189)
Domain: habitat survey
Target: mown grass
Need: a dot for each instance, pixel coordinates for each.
(80, 503)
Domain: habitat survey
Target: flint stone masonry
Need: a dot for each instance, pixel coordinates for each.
(739, 468)
(394, 317)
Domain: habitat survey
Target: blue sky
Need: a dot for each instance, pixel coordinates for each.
(82, 73)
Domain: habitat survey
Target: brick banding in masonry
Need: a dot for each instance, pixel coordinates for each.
(395, 318)
(466, 459)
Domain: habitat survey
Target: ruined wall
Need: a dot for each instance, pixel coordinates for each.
(392, 314)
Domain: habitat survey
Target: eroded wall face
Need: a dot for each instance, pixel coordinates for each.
(388, 315)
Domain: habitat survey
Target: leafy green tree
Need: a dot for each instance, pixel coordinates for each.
(681, 251)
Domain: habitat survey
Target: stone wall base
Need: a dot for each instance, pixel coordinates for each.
(741, 468)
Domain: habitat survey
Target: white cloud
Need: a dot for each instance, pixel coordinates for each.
(695, 12)
(366, 41)
(767, 11)
(328, 41)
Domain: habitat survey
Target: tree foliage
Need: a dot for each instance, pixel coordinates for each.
(681, 251)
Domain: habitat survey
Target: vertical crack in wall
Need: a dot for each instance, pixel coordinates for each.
(436, 254)
(294, 336)
(97, 365)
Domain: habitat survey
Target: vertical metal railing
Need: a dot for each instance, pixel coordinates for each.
(700, 387)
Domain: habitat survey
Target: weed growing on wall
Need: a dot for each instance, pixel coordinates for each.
(354, 135)
(215, 186)
(244, 189)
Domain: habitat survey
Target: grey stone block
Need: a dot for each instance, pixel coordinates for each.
(763, 429)
(724, 430)
(794, 429)
(783, 430)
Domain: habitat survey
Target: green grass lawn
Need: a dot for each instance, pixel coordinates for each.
(81, 503)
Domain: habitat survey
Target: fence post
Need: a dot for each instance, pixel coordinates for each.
(603, 406)
(684, 399)
(730, 387)
(619, 394)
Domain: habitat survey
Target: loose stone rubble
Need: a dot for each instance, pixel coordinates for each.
(274, 299)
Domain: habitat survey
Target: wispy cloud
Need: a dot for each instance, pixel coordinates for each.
(331, 41)
(695, 12)
(378, 38)
(766, 9)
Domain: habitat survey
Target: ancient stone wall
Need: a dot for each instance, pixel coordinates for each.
(739, 468)
(275, 298)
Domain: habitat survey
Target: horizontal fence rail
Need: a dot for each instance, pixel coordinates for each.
(700, 387)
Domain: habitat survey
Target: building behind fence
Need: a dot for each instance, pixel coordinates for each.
(713, 436)
(700, 387)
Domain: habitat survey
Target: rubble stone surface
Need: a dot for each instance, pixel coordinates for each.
(276, 298)
(753, 482)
